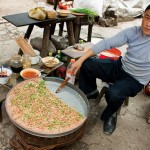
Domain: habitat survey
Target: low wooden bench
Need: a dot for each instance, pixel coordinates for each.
(22, 19)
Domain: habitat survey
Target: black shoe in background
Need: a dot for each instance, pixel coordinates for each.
(110, 124)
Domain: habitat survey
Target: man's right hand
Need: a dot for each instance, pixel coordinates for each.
(76, 66)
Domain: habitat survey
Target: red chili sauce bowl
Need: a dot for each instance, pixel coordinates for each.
(30, 73)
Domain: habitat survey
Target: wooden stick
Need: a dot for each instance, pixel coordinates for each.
(29, 47)
(25, 46)
(20, 45)
(62, 84)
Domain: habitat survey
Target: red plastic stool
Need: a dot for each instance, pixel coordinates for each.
(112, 53)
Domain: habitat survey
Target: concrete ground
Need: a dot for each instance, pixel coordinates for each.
(132, 132)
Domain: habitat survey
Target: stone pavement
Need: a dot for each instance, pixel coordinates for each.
(132, 133)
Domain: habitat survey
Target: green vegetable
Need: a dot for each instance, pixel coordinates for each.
(91, 14)
(81, 42)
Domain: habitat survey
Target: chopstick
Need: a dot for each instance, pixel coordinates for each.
(62, 84)
(25, 46)
(21, 46)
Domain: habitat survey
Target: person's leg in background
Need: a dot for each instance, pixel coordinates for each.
(115, 96)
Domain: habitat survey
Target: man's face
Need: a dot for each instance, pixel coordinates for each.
(146, 23)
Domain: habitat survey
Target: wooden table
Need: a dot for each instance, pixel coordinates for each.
(22, 19)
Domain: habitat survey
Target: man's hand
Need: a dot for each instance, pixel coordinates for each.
(76, 66)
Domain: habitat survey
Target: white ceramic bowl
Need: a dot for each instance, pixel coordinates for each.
(35, 59)
(30, 73)
(47, 61)
(4, 79)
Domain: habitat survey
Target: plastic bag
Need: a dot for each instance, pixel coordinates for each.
(94, 5)
(126, 8)
(37, 13)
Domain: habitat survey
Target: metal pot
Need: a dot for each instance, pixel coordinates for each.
(70, 94)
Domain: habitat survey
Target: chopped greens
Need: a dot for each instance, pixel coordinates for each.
(91, 14)
(34, 105)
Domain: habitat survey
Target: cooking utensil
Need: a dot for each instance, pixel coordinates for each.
(71, 95)
(25, 46)
(62, 84)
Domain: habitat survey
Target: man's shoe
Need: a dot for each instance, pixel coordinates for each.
(93, 96)
(110, 124)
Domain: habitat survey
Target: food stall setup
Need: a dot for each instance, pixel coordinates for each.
(41, 117)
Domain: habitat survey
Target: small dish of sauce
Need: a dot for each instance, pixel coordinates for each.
(30, 73)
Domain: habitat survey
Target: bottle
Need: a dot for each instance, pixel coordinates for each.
(68, 73)
(50, 54)
(59, 56)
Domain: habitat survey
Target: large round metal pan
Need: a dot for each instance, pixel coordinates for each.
(71, 95)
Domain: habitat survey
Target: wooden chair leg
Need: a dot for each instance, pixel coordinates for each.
(45, 41)
(77, 32)
(89, 33)
(119, 110)
(61, 27)
(101, 94)
(52, 30)
(126, 102)
(71, 37)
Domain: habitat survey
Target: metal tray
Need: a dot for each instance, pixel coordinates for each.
(71, 95)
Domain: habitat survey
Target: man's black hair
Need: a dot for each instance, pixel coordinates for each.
(147, 8)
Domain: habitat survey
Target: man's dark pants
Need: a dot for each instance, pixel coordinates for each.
(108, 71)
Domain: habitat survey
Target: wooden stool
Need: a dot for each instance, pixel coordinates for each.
(102, 92)
(80, 20)
(22, 19)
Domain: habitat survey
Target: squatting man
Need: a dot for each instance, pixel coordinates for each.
(129, 74)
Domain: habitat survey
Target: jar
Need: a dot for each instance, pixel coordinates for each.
(26, 61)
(16, 63)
